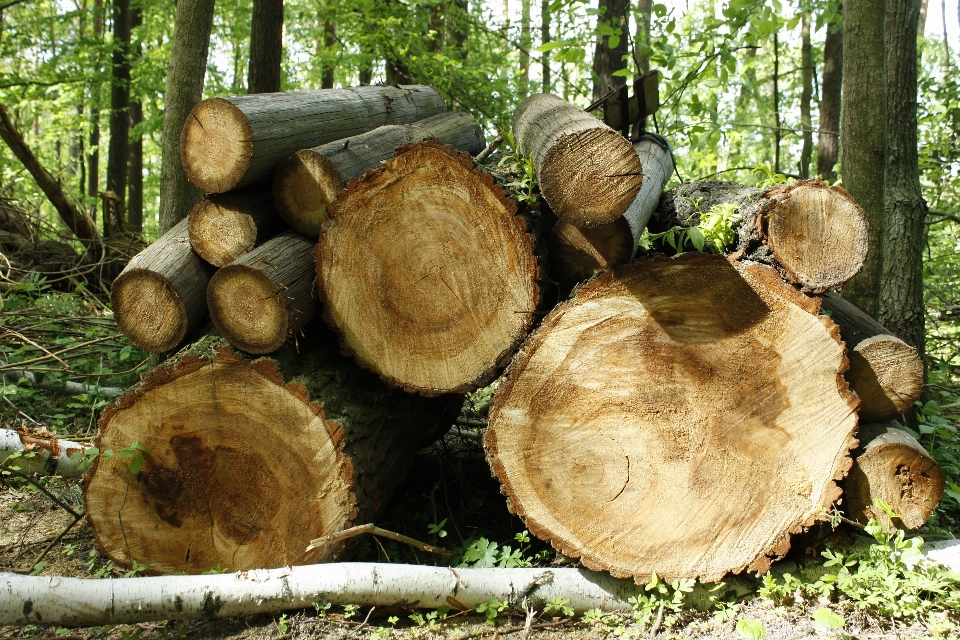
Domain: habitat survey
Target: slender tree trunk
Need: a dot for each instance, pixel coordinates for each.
(544, 39)
(806, 62)
(946, 45)
(643, 35)
(93, 173)
(188, 62)
(828, 146)
(525, 44)
(329, 40)
(923, 17)
(135, 161)
(607, 59)
(266, 47)
(119, 150)
(776, 102)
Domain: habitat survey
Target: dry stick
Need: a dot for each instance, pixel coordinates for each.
(32, 343)
(493, 146)
(377, 531)
(46, 550)
(657, 622)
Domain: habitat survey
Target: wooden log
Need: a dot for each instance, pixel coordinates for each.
(244, 467)
(588, 173)
(427, 272)
(224, 226)
(885, 371)
(890, 465)
(265, 297)
(577, 253)
(815, 235)
(51, 456)
(306, 183)
(161, 294)
(229, 143)
(680, 416)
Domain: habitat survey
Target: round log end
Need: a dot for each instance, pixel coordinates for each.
(590, 177)
(216, 144)
(303, 187)
(148, 310)
(887, 374)
(248, 309)
(817, 233)
(220, 231)
(577, 254)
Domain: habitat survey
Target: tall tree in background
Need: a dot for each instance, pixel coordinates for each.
(641, 42)
(526, 42)
(806, 95)
(93, 167)
(329, 40)
(828, 142)
(135, 163)
(184, 88)
(266, 47)
(119, 149)
(544, 39)
(610, 50)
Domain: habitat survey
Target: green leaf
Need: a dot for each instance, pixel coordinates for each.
(550, 46)
(622, 73)
(751, 629)
(613, 41)
(829, 619)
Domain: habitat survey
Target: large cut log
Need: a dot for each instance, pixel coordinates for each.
(265, 297)
(890, 465)
(681, 417)
(885, 371)
(577, 253)
(815, 235)
(244, 468)
(588, 173)
(224, 226)
(228, 143)
(161, 294)
(306, 183)
(427, 272)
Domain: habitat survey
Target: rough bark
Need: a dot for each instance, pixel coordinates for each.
(329, 40)
(806, 95)
(890, 465)
(229, 143)
(248, 462)
(264, 298)
(544, 39)
(828, 140)
(306, 184)
(266, 46)
(680, 416)
(135, 163)
(225, 226)
(885, 372)
(161, 294)
(588, 173)
(184, 88)
(119, 149)
(428, 273)
(577, 254)
(93, 171)
(607, 59)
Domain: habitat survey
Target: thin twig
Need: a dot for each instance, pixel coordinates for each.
(31, 342)
(656, 623)
(483, 155)
(377, 531)
(7, 469)
(53, 542)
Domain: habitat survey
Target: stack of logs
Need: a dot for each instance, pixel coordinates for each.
(680, 415)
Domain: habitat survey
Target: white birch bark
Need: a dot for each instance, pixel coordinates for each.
(52, 455)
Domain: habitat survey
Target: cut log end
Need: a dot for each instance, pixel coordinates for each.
(887, 374)
(216, 145)
(817, 233)
(148, 310)
(577, 254)
(220, 232)
(303, 187)
(248, 309)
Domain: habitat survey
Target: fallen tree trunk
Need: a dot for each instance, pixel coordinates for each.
(577, 254)
(242, 468)
(51, 455)
(885, 371)
(815, 235)
(225, 226)
(161, 294)
(306, 183)
(588, 173)
(680, 416)
(265, 297)
(890, 465)
(86, 602)
(68, 387)
(229, 143)
(427, 272)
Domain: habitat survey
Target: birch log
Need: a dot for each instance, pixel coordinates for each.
(51, 455)
(225, 226)
(229, 143)
(306, 183)
(588, 173)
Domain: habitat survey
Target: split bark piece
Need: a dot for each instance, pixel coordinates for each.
(588, 173)
(161, 294)
(885, 371)
(228, 143)
(262, 299)
(245, 470)
(815, 235)
(427, 272)
(51, 455)
(577, 254)
(225, 226)
(311, 179)
(892, 466)
(681, 416)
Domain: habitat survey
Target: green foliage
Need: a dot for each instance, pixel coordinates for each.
(751, 629)
(283, 623)
(437, 529)
(492, 609)
(432, 619)
(670, 597)
(135, 568)
(350, 610)
(829, 619)
(481, 552)
(558, 605)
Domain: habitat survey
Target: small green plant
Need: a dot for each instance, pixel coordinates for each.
(430, 620)
(380, 633)
(522, 165)
(558, 605)
(135, 568)
(69, 549)
(37, 568)
(491, 610)
(282, 624)
(393, 620)
(350, 610)
(751, 629)
(829, 619)
(484, 553)
(322, 609)
(217, 570)
(657, 594)
(437, 529)
(134, 452)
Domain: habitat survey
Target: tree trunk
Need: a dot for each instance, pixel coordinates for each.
(161, 294)
(577, 254)
(135, 161)
(645, 13)
(93, 172)
(806, 95)
(526, 43)
(119, 151)
(681, 417)
(265, 297)
(225, 226)
(885, 372)
(188, 63)
(890, 465)
(229, 143)
(606, 58)
(51, 456)
(544, 39)
(777, 133)
(329, 40)
(244, 469)
(588, 173)
(828, 142)
(306, 184)
(266, 47)
(428, 273)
